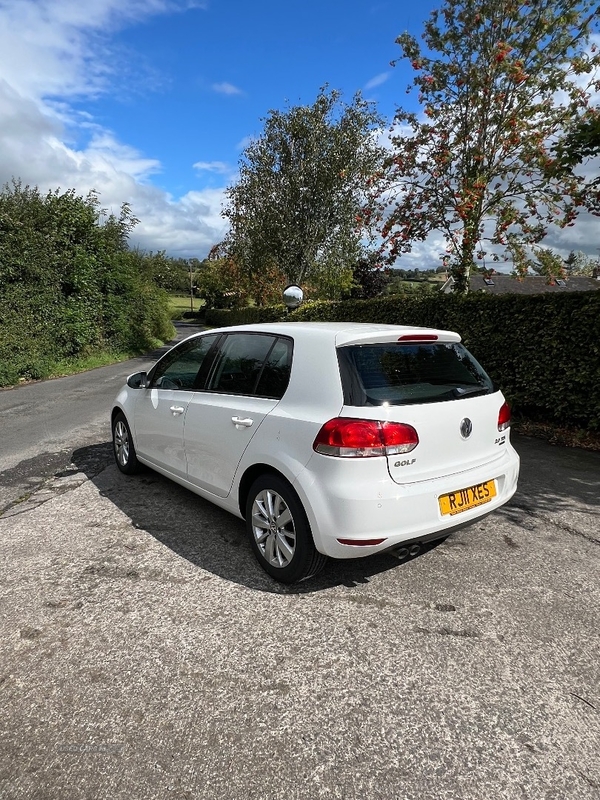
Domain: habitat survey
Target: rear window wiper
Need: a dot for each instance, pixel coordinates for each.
(460, 391)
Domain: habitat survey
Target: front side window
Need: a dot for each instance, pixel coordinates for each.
(403, 373)
(252, 364)
(180, 367)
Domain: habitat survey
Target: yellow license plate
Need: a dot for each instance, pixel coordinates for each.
(464, 499)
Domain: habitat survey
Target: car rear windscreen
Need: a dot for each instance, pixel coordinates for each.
(401, 373)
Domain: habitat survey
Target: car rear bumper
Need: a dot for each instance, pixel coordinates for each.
(358, 501)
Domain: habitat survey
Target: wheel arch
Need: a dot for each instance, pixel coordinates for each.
(306, 561)
(248, 478)
(117, 410)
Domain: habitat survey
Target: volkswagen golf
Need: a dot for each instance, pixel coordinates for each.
(329, 439)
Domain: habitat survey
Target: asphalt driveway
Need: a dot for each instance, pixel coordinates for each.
(145, 655)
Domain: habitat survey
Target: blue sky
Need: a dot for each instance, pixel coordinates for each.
(151, 101)
(199, 81)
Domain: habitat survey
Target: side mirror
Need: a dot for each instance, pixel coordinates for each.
(137, 381)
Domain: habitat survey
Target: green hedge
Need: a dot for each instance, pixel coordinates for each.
(542, 350)
(220, 317)
(70, 288)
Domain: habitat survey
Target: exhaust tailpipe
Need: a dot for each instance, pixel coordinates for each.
(402, 552)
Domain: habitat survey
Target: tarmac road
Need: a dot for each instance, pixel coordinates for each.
(42, 422)
(146, 655)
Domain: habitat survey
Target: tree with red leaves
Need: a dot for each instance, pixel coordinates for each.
(500, 82)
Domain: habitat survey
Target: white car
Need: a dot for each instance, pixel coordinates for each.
(329, 439)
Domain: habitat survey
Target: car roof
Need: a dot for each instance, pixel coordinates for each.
(341, 333)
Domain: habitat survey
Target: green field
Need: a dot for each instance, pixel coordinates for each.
(179, 303)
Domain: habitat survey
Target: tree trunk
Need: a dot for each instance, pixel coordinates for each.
(461, 271)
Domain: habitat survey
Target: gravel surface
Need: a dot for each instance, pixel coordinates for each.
(146, 655)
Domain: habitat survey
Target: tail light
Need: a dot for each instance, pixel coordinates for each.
(504, 417)
(363, 438)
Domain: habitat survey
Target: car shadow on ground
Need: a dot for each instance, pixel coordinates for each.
(553, 481)
(205, 535)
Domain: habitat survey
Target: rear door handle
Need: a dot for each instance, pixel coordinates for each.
(175, 410)
(240, 422)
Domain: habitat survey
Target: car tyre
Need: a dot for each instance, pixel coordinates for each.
(123, 447)
(279, 531)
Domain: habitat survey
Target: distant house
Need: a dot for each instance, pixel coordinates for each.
(532, 284)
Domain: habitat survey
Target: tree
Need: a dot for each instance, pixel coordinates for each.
(220, 277)
(369, 277)
(544, 261)
(172, 274)
(583, 141)
(221, 284)
(297, 206)
(69, 285)
(581, 144)
(548, 264)
(499, 81)
(578, 263)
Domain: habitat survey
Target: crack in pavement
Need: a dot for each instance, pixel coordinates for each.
(37, 487)
(34, 481)
(47, 490)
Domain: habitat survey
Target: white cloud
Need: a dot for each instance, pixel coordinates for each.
(55, 51)
(187, 227)
(377, 80)
(212, 166)
(61, 47)
(226, 88)
(424, 255)
(584, 236)
(243, 143)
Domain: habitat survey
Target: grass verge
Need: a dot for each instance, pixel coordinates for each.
(73, 366)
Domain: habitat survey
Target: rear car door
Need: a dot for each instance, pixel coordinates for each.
(249, 374)
(161, 408)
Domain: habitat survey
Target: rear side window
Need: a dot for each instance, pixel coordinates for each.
(276, 371)
(403, 373)
(252, 364)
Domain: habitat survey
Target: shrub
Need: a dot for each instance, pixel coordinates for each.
(218, 318)
(69, 286)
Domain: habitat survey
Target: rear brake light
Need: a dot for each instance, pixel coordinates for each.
(504, 417)
(418, 337)
(362, 438)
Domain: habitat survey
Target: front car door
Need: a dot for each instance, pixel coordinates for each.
(161, 407)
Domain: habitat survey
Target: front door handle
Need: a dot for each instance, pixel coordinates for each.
(240, 422)
(175, 410)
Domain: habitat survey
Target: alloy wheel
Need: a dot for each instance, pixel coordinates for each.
(121, 439)
(273, 528)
